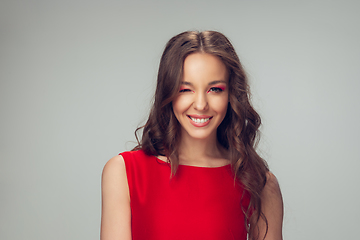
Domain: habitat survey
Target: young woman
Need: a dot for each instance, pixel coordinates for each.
(195, 173)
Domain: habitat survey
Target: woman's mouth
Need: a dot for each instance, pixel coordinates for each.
(199, 121)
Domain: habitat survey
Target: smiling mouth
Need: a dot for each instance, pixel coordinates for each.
(199, 120)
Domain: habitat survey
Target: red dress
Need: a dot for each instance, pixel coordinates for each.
(197, 203)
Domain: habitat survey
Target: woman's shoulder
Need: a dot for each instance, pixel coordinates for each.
(114, 166)
(134, 155)
(116, 211)
(137, 159)
(272, 207)
(117, 164)
(272, 186)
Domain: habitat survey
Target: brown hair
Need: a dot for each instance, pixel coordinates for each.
(238, 132)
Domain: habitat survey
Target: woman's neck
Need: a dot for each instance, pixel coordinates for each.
(202, 152)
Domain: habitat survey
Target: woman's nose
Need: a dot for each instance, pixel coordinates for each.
(200, 102)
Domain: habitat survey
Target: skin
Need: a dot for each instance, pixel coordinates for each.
(116, 212)
(204, 92)
(272, 207)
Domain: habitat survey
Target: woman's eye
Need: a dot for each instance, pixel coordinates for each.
(185, 90)
(216, 89)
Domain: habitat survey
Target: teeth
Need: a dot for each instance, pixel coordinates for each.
(199, 120)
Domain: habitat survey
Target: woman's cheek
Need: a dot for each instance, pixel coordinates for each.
(220, 103)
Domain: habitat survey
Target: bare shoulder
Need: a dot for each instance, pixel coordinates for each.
(271, 196)
(272, 207)
(272, 186)
(114, 179)
(114, 182)
(116, 213)
(114, 165)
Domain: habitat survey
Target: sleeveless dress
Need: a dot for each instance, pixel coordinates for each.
(197, 203)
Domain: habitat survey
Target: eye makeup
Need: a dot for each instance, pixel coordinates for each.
(184, 89)
(215, 88)
(219, 86)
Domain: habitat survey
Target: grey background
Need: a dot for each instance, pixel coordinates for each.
(77, 78)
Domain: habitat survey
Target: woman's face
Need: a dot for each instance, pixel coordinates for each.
(203, 97)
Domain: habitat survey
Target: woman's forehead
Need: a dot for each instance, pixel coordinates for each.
(204, 67)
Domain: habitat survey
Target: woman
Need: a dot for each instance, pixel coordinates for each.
(195, 173)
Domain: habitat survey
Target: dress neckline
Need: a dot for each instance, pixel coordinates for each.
(190, 166)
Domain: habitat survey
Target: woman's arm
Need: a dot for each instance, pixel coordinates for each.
(116, 212)
(273, 209)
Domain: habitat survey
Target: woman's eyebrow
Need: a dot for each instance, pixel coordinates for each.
(210, 83)
(217, 81)
(187, 83)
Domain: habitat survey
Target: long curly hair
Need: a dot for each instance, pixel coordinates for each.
(238, 132)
